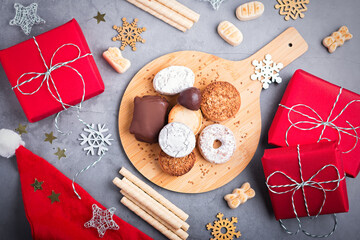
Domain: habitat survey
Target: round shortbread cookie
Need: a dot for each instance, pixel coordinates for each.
(206, 143)
(176, 166)
(192, 119)
(220, 101)
(174, 79)
(177, 140)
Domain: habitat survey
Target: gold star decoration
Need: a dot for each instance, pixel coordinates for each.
(129, 34)
(60, 153)
(54, 197)
(49, 137)
(100, 17)
(37, 185)
(21, 129)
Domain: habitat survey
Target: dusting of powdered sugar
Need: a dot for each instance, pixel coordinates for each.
(173, 80)
(221, 133)
(177, 140)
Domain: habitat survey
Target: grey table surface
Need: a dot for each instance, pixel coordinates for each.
(256, 218)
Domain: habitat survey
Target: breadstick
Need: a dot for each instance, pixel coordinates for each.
(154, 194)
(150, 204)
(149, 219)
(179, 232)
(167, 12)
(184, 225)
(182, 9)
(159, 16)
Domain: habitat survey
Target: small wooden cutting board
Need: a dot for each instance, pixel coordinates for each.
(246, 125)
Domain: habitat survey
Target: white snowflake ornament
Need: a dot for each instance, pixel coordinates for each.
(96, 139)
(102, 220)
(26, 17)
(267, 71)
(215, 3)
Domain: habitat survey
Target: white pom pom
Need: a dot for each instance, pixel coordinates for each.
(9, 142)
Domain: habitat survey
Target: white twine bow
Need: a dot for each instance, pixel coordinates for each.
(318, 121)
(47, 78)
(295, 186)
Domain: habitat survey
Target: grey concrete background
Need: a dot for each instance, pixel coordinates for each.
(256, 219)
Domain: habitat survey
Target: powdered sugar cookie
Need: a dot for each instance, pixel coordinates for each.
(206, 141)
(177, 140)
(174, 79)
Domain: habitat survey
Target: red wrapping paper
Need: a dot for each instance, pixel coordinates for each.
(320, 95)
(313, 158)
(24, 57)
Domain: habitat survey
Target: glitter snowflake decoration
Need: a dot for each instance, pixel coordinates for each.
(95, 139)
(215, 3)
(228, 226)
(129, 34)
(292, 8)
(102, 220)
(26, 17)
(266, 71)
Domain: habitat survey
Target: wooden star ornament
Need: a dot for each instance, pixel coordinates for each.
(129, 34)
(100, 17)
(60, 153)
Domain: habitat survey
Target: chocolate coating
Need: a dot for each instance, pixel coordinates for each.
(149, 117)
(190, 98)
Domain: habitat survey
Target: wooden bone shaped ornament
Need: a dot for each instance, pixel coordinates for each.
(207, 68)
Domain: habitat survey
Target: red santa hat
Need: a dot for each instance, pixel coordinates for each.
(52, 208)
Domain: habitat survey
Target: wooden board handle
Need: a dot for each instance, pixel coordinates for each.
(285, 48)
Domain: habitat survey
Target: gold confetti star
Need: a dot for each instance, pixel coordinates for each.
(60, 153)
(54, 197)
(21, 129)
(49, 137)
(37, 185)
(100, 17)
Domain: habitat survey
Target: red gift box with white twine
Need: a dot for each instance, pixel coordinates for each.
(314, 110)
(52, 71)
(306, 180)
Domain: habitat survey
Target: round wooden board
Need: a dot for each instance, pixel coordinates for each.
(246, 125)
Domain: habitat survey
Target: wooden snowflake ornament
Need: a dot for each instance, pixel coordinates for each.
(292, 8)
(229, 230)
(129, 34)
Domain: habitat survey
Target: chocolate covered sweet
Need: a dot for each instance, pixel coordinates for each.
(190, 98)
(149, 118)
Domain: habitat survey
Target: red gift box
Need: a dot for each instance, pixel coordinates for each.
(320, 163)
(75, 81)
(313, 110)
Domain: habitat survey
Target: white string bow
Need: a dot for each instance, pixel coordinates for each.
(295, 186)
(318, 121)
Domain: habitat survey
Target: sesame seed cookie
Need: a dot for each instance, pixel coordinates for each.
(176, 166)
(220, 101)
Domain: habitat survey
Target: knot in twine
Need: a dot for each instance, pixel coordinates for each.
(47, 78)
(295, 186)
(318, 121)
